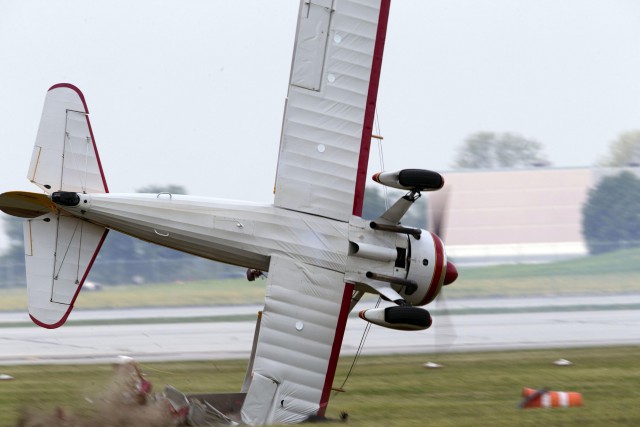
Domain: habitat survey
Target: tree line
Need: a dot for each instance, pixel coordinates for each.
(490, 150)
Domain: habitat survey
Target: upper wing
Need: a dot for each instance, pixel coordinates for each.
(305, 312)
(328, 119)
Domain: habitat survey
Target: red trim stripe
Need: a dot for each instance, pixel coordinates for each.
(370, 109)
(335, 350)
(75, 296)
(95, 149)
(438, 272)
(358, 199)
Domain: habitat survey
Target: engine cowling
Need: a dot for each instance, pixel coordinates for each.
(427, 266)
(404, 265)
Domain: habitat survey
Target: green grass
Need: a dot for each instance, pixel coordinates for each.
(523, 286)
(621, 262)
(616, 272)
(472, 389)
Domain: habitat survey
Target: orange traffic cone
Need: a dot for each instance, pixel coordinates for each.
(549, 399)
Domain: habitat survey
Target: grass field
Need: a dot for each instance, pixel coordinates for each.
(473, 389)
(617, 272)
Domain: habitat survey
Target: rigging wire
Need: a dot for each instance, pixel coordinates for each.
(359, 350)
(66, 250)
(376, 124)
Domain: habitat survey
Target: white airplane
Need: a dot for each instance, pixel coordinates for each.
(320, 254)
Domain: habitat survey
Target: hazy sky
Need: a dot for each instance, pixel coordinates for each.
(192, 92)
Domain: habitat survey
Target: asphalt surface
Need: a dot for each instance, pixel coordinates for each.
(471, 325)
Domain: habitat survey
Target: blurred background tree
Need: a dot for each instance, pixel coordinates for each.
(624, 151)
(12, 260)
(611, 214)
(489, 150)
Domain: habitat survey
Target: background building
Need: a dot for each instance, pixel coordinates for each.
(532, 215)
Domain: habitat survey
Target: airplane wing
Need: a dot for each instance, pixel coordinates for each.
(304, 307)
(322, 167)
(328, 118)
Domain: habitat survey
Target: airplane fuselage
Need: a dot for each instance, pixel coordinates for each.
(249, 234)
(240, 233)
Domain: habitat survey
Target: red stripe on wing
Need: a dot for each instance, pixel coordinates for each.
(358, 199)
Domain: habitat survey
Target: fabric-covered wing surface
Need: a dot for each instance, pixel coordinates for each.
(324, 150)
(329, 111)
(302, 310)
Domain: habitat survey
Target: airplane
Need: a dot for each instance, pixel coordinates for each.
(320, 254)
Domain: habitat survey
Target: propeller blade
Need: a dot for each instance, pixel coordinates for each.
(438, 202)
(443, 329)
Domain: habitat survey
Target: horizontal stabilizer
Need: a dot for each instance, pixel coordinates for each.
(59, 252)
(65, 157)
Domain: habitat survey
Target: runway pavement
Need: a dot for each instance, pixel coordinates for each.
(482, 324)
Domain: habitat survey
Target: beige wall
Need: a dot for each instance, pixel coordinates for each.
(514, 206)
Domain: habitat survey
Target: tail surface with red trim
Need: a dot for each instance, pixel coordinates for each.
(59, 248)
(59, 252)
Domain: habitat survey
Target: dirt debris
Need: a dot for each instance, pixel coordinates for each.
(126, 402)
